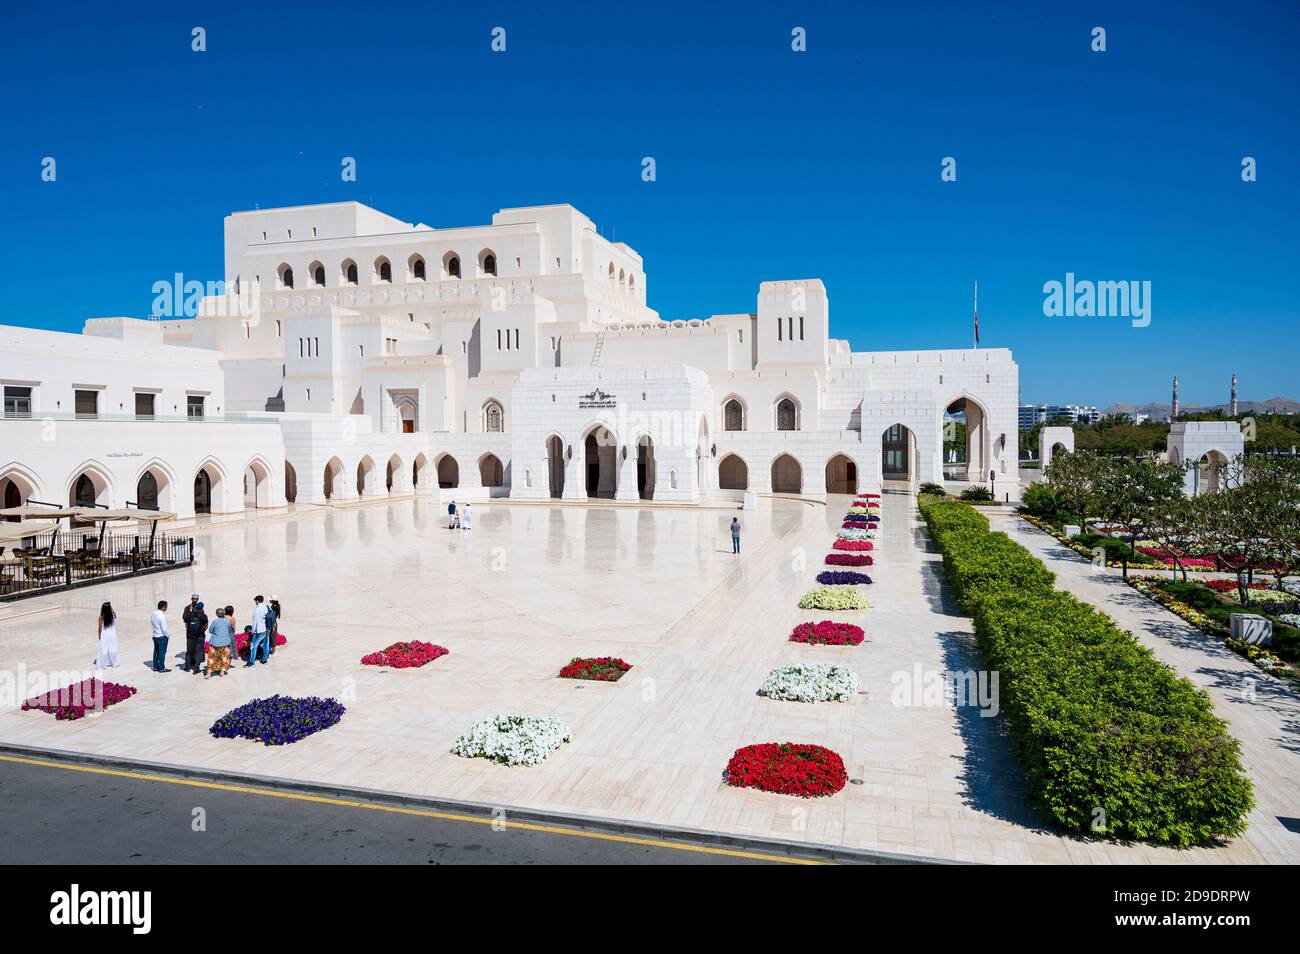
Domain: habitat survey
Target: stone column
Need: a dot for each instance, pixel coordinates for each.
(627, 488)
(575, 477)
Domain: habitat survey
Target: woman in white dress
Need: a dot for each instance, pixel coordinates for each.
(107, 658)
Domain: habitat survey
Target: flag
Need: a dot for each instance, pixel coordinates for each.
(977, 314)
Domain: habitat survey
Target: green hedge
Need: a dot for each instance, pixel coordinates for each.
(1096, 720)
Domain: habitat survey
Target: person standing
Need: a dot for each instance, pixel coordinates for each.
(189, 611)
(196, 626)
(107, 657)
(258, 641)
(467, 517)
(158, 628)
(221, 639)
(273, 622)
(453, 520)
(735, 535)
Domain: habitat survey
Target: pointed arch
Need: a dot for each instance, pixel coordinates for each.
(491, 471)
(333, 473)
(733, 473)
(494, 417)
(415, 269)
(366, 476)
(348, 272)
(487, 262)
(448, 471)
(787, 475)
(97, 488)
(316, 274)
(841, 475)
(786, 413)
(284, 276)
(451, 265)
(419, 477)
(383, 270)
(17, 484)
(735, 413)
(161, 493)
(258, 486)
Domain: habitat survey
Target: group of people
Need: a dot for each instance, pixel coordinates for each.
(219, 634)
(461, 518)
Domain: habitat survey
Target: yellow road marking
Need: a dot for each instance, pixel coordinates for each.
(421, 812)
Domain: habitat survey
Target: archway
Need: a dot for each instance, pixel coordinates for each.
(897, 449)
(365, 476)
(393, 474)
(146, 491)
(841, 475)
(333, 471)
(1209, 473)
(89, 487)
(16, 487)
(555, 465)
(290, 483)
(645, 467)
(490, 471)
(203, 491)
(787, 475)
(417, 470)
(257, 484)
(599, 452)
(448, 472)
(965, 433)
(733, 473)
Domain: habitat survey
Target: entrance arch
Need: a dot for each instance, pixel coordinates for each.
(490, 471)
(365, 476)
(448, 472)
(600, 449)
(1209, 473)
(89, 487)
(965, 440)
(733, 473)
(841, 475)
(290, 483)
(898, 453)
(17, 485)
(787, 475)
(333, 473)
(555, 465)
(257, 484)
(645, 467)
(203, 491)
(417, 471)
(394, 474)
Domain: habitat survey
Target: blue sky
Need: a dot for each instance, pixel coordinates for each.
(1123, 165)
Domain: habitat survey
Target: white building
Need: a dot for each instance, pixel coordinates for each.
(354, 355)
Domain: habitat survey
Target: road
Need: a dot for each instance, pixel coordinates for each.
(63, 814)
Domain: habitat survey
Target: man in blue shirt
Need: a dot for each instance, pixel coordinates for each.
(260, 632)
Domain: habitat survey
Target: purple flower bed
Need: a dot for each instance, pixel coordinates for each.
(856, 517)
(279, 720)
(838, 577)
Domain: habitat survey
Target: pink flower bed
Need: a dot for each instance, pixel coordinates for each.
(849, 559)
(74, 701)
(854, 545)
(1156, 553)
(405, 655)
(827, 633)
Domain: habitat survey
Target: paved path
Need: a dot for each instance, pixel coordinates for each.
(1263, 713)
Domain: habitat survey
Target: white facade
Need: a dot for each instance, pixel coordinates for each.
(355, 355)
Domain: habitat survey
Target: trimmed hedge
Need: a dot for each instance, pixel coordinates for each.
(1096, 721)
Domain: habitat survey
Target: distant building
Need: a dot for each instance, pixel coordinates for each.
(1032, 415)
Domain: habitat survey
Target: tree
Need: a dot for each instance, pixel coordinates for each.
(1176, 527)
(1134, 493)
(1236, 521)
(1072, 477)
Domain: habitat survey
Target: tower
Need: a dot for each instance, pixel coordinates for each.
(1174, 406)
(1232, 402)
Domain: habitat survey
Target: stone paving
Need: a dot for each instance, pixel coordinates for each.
(534, 585)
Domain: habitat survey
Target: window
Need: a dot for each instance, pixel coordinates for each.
(144, 405)
(383, 270)
(801, 327)
(417, 268)
(349, 272)
(516, 339)
(787, 415)
(779, 336)
(740, 335)
(279, 330)
(18, 401)
(498, 339)
(315, 348)
(489, 264)
(87, 404)
(285, 274)
(194, 406)
(733, 416)
(493, 419)
(453, 266)
(318, 275)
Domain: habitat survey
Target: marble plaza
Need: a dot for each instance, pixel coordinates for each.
(535, 584)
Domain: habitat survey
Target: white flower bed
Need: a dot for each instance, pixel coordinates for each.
(855, 534)
(811, 682)
(1291, 619)
(513, 739)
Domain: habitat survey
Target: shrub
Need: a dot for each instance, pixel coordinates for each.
(787, 768)
(811, 682)
(598, 668)
(931, 488)
(833, 598)
(827, 633)
(848, 559)
(1095, 720)
(977, 492)
(1040, 500)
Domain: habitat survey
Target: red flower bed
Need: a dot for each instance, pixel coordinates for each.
(74, 701)
(788, 768)
(405, 655)
(854, 545)
(849, 559)
(869, 496)
(1230, 586)
(599, 668)
(860, 525)
(827, 633)
(241, 643)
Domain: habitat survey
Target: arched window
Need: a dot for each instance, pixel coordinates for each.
(631, 281)
(487, 262)
(317, 272)
(493, 418)
(611, 271)
(349, 271)
(415, 267)
(383, 270)
(622, 278)
(285, 274)
(733, 416)
(451, 265)
(787, 415)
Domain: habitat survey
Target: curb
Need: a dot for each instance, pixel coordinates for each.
(578, 822)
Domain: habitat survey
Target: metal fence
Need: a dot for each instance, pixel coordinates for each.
(65, 559)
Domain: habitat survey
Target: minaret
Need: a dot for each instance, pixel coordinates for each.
(1174, 407)
(1232, 404)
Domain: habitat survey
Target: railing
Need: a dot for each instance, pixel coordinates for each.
(42, 416)
(67, 559)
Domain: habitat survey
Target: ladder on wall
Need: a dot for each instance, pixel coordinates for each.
(595, 352)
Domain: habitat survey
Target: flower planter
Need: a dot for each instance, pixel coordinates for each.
(854, 531)
(279, 720)
(512, 739)
(853, 545)
(787, 768)
(811, 682)
(410, 655)
(848, 559)
(842, 578)
(828, 633)
(80, 699)
(834, 598)
(596, 668)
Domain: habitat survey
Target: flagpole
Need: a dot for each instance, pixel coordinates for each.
(976, 330)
